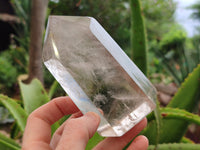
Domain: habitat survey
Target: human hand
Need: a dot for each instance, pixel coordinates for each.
(75, 132)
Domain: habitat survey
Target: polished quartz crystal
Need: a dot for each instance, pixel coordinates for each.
(96, 73)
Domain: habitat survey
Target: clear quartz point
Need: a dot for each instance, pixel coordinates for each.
(97, 74)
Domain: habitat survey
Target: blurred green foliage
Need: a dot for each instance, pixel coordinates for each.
(173, 40)
(196, 8)
(158, 16)
(13, 63)
(8, 72)
(177, 53)
(22, 10)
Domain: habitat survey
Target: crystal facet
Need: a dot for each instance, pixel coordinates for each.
(96, 73)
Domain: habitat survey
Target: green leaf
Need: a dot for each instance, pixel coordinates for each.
(138, 36)
(180, 114)
(186, 98)
(187, 95)
(94, 141)
(34, 95)
(174, 113)
(158, 121)
(16, 110)
(176, 146)
(7, 143)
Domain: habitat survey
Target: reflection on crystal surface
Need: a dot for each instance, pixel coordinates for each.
(96, 73)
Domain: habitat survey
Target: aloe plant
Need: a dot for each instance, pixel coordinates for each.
(35, 87)
(34, 95)
(179, 114)
(16, 110)
(139, 48)
(138, 36)
(186, 98)
(174, 113)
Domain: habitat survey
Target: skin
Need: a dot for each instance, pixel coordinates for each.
(75, 132)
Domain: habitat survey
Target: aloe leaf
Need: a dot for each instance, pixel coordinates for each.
(7, 143)
(138, 36)
(34, 96)
(158, 122)
(180, 114)
(174, 113)
(176, 146)
(16, 110)
(186, 98)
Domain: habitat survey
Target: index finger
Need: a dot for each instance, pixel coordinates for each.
(38, 128)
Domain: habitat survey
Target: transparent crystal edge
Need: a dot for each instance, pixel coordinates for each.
(131, 120)
(127, 64)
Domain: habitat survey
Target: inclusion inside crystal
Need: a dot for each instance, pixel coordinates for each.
(97, 74)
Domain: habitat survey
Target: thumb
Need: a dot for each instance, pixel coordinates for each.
(78, 131)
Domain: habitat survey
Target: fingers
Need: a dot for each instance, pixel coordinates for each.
(77, 132)
(57, 135)
(139, 143)
(118, 143)
(38, 128)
